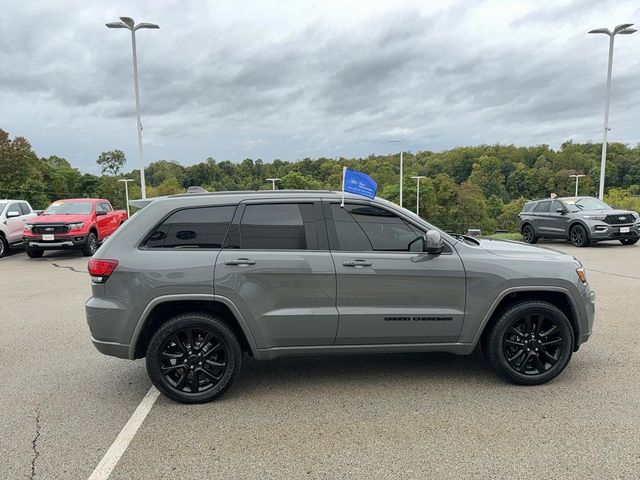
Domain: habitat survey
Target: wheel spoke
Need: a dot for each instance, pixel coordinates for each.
(539, 364)
(171, 368)
(524, 363)
(182, 380)
(176, 339)
(189, 332)
(527, 324)
(549, 332)
(551, 358)
(215, 364)
(172, 355)
(517, 332)
(195, 384)
(211, 375)
(539, 322)
(214, 349)
(207, 338)
(514, 343)
(515, 356)
(556, 341)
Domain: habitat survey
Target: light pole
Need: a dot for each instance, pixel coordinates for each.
(623, 29)
(577, 177)
(126, 191)
(418, 177)
(273, 182)
(399, 142)
(129, 23)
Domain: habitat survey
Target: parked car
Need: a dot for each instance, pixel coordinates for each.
(79, 223)
(13, 215)
(583, 220)
(195, 280)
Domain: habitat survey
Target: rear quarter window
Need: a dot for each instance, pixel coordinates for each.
(198, 227)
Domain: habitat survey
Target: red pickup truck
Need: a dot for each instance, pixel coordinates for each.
(80, 223)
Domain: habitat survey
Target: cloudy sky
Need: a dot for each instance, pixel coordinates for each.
(291, 79)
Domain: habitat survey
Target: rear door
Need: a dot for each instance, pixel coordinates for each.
(541, 218)
(387, 293)
(276, 268)
(15, 225)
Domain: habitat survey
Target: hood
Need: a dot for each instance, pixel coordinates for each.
(63, 219)
(507, 248)
(604, 212)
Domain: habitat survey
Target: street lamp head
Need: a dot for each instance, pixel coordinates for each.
(627, 31)
(601, 30)
(620, 28)
(147, 25)
(116, 25)
(128, 21)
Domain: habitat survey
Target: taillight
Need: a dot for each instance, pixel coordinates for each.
(100, 269)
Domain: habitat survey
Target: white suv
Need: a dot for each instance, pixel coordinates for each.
(13, 215)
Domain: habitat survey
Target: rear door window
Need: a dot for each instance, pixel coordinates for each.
(199, 227)
(278, 226)
(25, 208)
(543, 207)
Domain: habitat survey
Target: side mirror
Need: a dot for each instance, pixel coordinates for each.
(560, 210)
(100, 213)
(433, 243)
(13, 214)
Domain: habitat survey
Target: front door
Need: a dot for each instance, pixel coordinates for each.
(278, 271)
(387, 293)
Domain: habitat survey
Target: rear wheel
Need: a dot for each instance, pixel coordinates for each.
(193, 358)
(579, 236)
(4, 247)
(91, 246)
(34, 252)
(528, 234)
(624, 241)
(531, 343)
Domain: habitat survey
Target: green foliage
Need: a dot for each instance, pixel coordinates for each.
(468, 187)
(112, 161)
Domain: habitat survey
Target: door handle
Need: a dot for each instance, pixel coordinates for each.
(241, 262)
(357, 263)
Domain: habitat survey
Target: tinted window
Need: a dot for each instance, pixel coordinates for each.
(106, 207)
(278, 226)
(14, 207)
(349, 233)
(555, 206)
(528, 207)
(25, 208)
(543, 207)
(203, 227)
(384, 230)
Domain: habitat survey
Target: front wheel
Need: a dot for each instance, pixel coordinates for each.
(91, 246)
(579, 236)
(193, 358)
(624, 241)
(528, 234)
(531, 343)
(4, 246)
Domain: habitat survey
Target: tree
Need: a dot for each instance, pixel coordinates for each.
(112, 161)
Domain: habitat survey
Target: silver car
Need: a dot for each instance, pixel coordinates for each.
(583, 220)
(195, 281)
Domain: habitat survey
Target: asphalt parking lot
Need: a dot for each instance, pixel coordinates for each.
(389, 416)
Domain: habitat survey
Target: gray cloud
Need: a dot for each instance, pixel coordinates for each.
(311, 79)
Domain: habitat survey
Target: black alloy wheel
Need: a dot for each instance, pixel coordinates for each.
(528, 234)
(579, 236)
(91, 246)
(531, 343)
(193, 358)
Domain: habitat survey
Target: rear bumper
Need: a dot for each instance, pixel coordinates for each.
(58, 243)
(112, 349)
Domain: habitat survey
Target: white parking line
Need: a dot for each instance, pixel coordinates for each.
(122, 441)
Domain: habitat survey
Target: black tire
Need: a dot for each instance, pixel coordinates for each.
(579, 236)
(90, 247)
(544, 355)
(34, 252)
(624, 241)
(210, 366)
(528, 234)
(4, 246)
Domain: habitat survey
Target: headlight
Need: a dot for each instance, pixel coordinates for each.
(28, 226)
(75, 226)
(594, 217)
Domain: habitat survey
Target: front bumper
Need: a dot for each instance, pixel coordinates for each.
(603, 231)
(59, 242)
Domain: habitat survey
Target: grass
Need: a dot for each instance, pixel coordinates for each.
(506, 236)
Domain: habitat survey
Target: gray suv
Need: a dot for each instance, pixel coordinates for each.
(583, 220)
(194, 281)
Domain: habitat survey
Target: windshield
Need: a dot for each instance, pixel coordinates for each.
(586, 203)
(68, 208)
